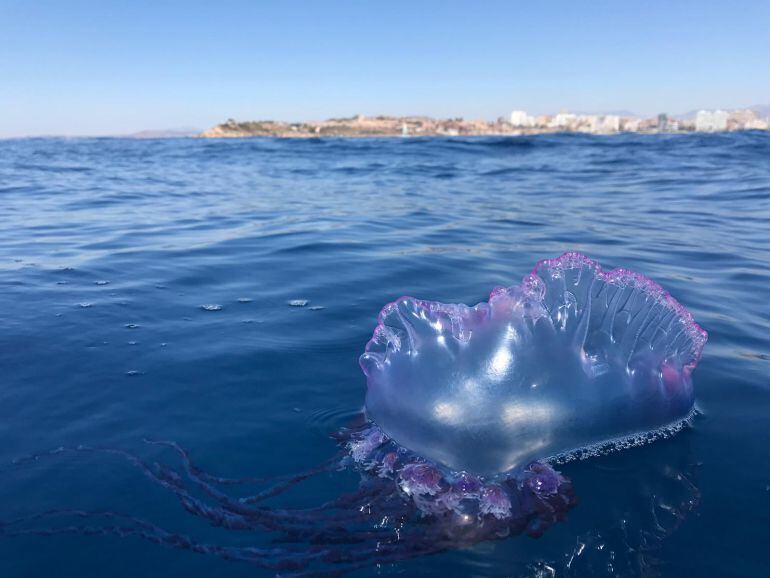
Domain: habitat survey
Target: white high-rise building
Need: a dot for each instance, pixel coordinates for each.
(711, 120)
(521, 119)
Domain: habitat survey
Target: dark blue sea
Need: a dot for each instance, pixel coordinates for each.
(145, 289)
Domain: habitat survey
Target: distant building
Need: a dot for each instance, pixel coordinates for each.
(662, 122)
(597, 124)
(686, 125)
(521, 119)
(632, 124)
(589, 123)
(756, 124)
(563, 120)
(741, 119)
(711, 120)
(610, 123)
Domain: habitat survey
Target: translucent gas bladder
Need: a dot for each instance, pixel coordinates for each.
(571, 358)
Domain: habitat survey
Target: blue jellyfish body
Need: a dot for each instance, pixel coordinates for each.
(572, 359)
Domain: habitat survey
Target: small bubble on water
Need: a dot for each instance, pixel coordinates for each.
(211, 307)
(100, 283)
(133, 372)
(297, 410)
(85, 305)
(244, 300)
(132, 326)
(163, 344)
(298, 302)
(133, 342)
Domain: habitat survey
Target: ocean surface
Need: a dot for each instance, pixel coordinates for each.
(145, 289)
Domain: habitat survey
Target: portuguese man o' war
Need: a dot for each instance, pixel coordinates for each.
(468, 410)
(571, 358)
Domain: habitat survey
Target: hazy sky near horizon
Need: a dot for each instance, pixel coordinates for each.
(106, 67)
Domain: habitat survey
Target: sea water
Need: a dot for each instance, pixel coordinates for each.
(219, 293)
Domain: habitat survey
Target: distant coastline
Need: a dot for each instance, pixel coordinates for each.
(519, 123)
(363, 126)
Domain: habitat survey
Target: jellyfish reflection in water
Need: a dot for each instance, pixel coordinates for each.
(467, 411)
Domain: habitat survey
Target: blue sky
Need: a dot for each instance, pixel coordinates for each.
(104, 67)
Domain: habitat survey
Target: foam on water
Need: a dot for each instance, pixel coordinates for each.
(634, 440)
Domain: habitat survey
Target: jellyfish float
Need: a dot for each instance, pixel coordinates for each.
(468, 410)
